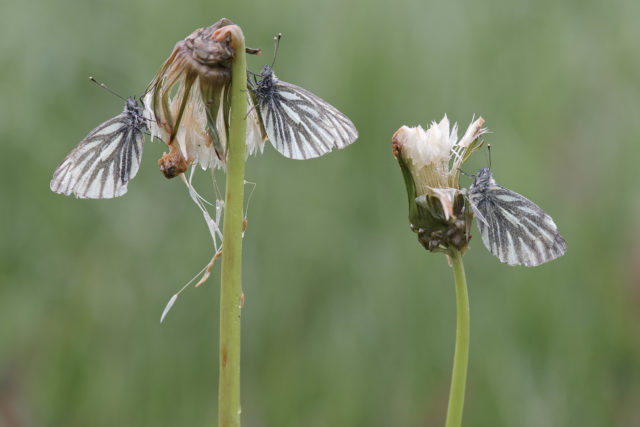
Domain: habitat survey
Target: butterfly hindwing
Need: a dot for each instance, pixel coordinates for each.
(103, 163)
(514, 229)
(299, 124)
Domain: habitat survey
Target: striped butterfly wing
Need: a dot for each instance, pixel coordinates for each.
(515, 229)
(103, 163)
(300, 125)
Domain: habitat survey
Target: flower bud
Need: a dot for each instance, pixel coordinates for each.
(430, 162)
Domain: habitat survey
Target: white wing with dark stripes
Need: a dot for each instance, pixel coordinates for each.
(103, 163)
(300, 125)
(514, 229)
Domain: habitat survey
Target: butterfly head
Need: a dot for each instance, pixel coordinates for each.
(134, 112)
(131, 104)
(484, 178)
(267, 73)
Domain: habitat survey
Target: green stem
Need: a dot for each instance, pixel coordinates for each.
(231, 283)
(461, 356)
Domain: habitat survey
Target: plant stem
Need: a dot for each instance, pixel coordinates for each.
(231, 283)
(461, 356)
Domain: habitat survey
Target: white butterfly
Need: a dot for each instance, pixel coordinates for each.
(513, 228)
(103, 163)
(299, 124)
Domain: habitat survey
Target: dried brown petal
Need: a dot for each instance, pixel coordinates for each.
(187, 93)
(174, 163)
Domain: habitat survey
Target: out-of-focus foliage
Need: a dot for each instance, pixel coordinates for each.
(347, 320)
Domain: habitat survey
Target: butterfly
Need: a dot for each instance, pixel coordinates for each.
(103, 163)
(299, 124)
(512, 227)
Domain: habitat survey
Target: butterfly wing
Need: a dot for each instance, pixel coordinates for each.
(515, 229)
(103, 163)
(300, 125)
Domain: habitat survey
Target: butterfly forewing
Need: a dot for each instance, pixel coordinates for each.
(299, 124)
(103, 163)
(513, 228)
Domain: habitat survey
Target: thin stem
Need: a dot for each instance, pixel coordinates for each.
(461, 356)
(231, 286)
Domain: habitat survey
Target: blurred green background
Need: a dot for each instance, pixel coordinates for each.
(347, 320)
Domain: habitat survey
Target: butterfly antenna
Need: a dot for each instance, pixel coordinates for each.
(276, 43)
(489, 150)
(103, 86)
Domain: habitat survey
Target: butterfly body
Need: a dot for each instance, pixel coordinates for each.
(265, 87)
(512, 227)
(299, 124)
(103, 163)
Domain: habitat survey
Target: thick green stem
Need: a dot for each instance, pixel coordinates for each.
(231, 286)
(461, 356)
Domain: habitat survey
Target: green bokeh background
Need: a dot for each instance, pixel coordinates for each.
(347, 320)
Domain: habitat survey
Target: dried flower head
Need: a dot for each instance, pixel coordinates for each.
(430, 161)
(189, 100)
